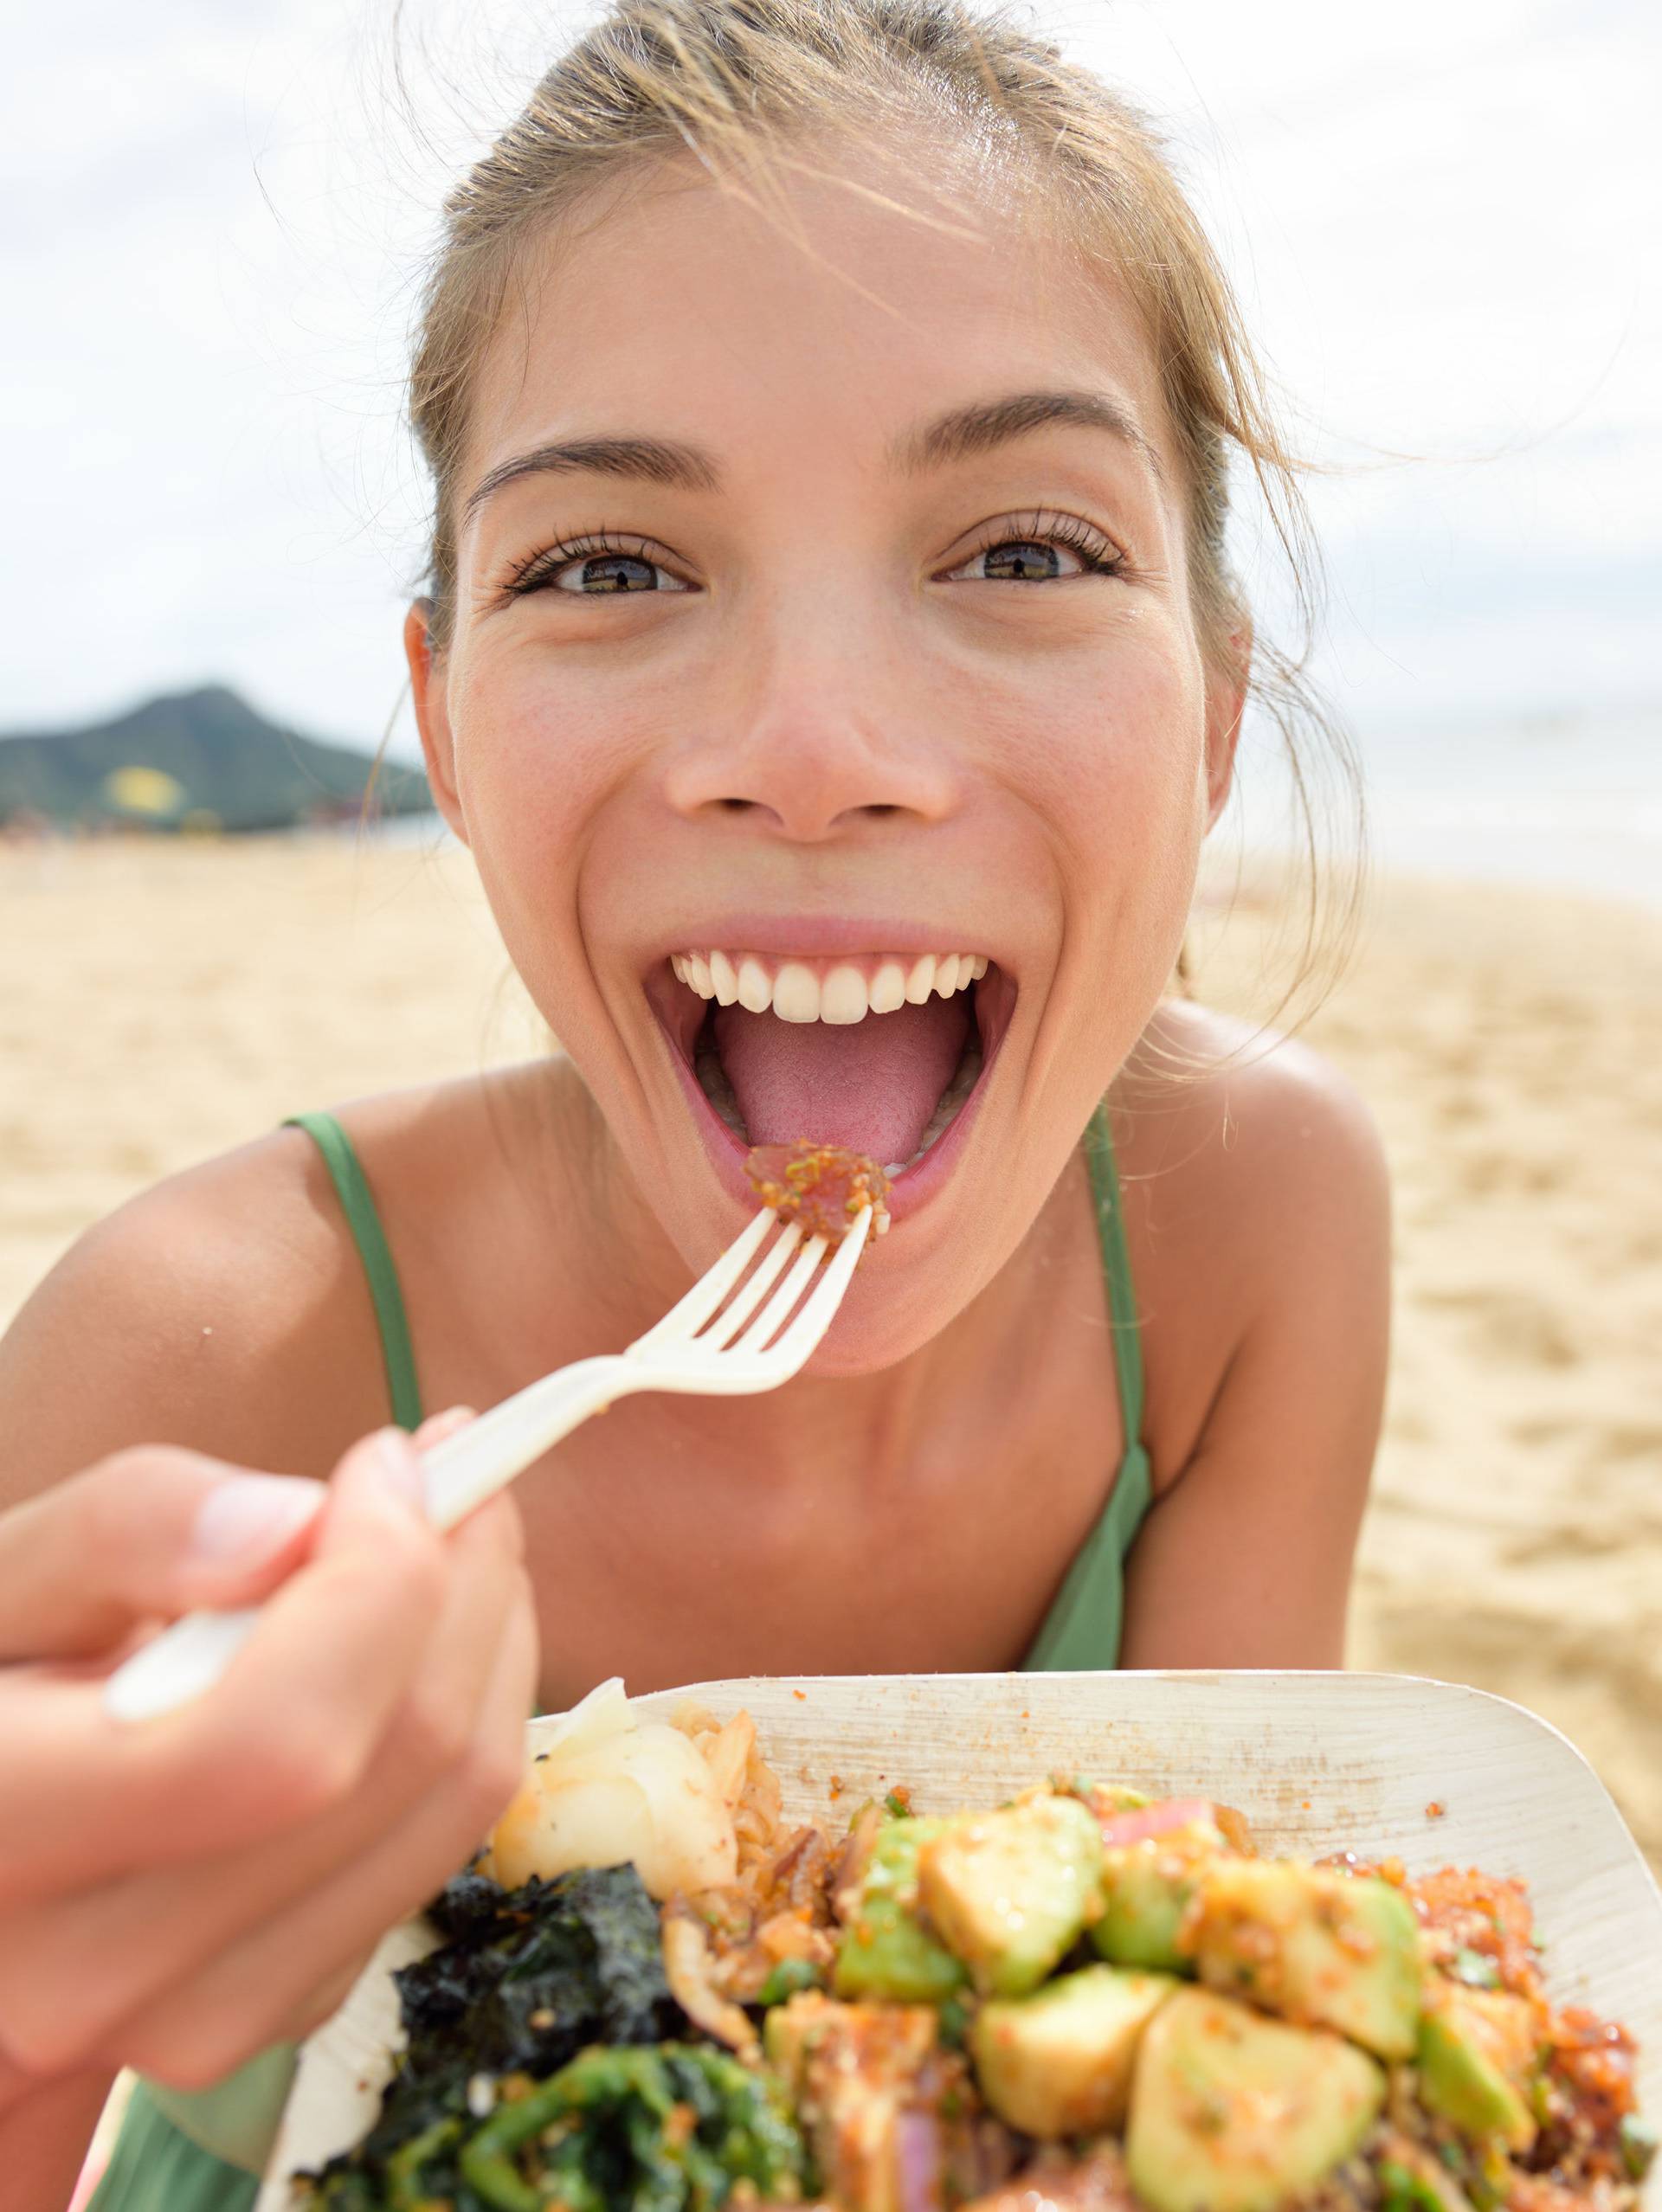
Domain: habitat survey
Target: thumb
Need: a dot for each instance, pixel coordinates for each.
(153, 1530)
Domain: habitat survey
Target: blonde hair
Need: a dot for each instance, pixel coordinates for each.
(735, 85)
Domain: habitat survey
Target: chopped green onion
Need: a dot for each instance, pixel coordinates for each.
(1406, 2192)
(1638, 2145)
(1475, 1968)
(787, 1977)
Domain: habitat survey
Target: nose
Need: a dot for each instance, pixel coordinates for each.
(815, 741)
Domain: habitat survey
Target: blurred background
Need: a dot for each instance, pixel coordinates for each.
(1444, 224)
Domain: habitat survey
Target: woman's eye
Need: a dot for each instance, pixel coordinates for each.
(598, 572)
(1047, 556)
(1022, 561)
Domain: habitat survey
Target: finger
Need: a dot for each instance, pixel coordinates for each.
(303, 1703)
(156, 1530)
(320, 2003)
(283, 1735)
(102, 1953)
(438, 1426)
(241, 2002)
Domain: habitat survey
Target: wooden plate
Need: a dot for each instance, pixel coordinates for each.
(1433, 1772)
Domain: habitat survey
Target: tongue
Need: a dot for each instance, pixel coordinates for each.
(871, 1085)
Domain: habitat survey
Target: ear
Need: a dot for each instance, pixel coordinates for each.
(1226, 702)
(430, 694)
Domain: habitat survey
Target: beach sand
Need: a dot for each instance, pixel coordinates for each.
(160, 1002)
(1510, 1042)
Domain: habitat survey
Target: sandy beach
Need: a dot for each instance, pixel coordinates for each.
(162, 1002)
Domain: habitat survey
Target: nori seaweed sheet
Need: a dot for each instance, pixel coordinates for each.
(526, 1979)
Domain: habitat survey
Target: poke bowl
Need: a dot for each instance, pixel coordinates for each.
(1332, 1791)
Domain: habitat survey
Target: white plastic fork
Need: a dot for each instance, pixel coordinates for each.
(695, 1348)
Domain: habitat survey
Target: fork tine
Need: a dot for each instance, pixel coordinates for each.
(690, 1315)
(778, 1309)
(723, 1330)
(802, 1339)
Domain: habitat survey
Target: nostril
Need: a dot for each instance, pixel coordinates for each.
(734, 806)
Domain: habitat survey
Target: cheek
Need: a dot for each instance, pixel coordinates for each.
(1139, 820)
(1112, 753)
(533, 751)
(1116, 761)
(533, 773)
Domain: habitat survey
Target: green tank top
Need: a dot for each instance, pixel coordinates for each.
(202, 2150)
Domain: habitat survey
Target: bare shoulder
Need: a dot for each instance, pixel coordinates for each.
(1256, 1193)
(1218, 1111)
(225, 1309)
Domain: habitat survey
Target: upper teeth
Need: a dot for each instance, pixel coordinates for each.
(843, 993)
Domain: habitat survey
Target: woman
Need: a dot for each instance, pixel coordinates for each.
(831, 661)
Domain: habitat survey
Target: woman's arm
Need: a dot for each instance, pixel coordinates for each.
(212, 1311)
(1246, 1560)
(177, 1894)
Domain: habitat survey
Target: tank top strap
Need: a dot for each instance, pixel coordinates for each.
(1117, 1267)
(1083, 1628)
(352, 1186)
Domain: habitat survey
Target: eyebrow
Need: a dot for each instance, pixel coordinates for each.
(646, 461)
(988, 423)
(956, 436)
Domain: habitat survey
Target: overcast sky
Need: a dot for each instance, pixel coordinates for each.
(1443, 216)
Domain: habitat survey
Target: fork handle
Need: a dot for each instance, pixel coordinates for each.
(179, 1664)
(187, 1659)
(470, 1466)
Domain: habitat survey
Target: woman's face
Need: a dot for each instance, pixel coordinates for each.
(821, 614)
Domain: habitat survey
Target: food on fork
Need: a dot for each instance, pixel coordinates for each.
(920, 2012)
(823, 1186)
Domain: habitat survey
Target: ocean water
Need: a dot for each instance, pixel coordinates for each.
(1574, 803)
(1568, 802)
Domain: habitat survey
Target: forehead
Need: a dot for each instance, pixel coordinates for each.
(859, 302)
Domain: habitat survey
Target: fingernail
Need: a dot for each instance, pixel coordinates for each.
(253, 1514)
(396, 1456)
(438, 1426)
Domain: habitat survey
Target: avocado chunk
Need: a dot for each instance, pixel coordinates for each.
(1008, 1891)
(1059, 2063)
(885, 1951)
(1477, 2054)
(1322, 1948)
(1233, 2112)
(1147, 1879)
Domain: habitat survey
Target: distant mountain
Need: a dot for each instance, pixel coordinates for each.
(197, 759)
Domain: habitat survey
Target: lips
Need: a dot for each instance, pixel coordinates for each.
(881, 1052)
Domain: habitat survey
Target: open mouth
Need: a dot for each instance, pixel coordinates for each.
(879, 1053)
